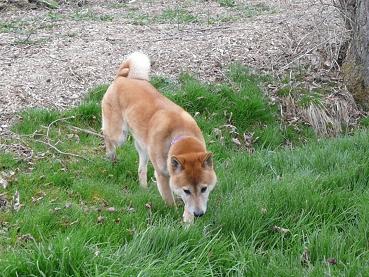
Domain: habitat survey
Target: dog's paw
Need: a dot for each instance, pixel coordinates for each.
(112, 157)
(188, 218)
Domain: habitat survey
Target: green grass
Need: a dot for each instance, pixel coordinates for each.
(239, 13)
(86, 15)
(255, 10)
(227, 3)
(176, 16)
(167, 16)
(318, 191)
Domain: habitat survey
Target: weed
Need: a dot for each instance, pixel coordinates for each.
(138, 18)
(12, 26)
(255, 10)
(227, 3)
(54, 16)
(176, 16)
(86, 14)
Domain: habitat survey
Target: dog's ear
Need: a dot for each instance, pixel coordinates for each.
(207, 160)
(176, 164)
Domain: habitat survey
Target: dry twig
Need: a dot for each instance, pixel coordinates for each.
(85, 131)
(61, 152)
(57, 120)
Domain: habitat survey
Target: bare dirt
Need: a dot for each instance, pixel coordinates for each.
(52, 57)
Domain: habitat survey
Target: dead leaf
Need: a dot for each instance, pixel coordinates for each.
(111, 209)
(305, 257)
(16, 202)
(38, 197)
(236, 141)
(100, 219)
(6, 177)
(263, 210)
(280, 229)
(26, 238)
(4, 183)
(248, 139)
(219, 135)
(67, 205)
(73, 222)
(3, 201)
(53, 200)
(34, 200)
(332, 261)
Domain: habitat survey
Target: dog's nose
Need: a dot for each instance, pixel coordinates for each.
(198, 213)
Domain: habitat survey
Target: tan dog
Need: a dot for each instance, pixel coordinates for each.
(163, 132)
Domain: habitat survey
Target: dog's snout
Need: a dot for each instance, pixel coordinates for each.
(198, 213)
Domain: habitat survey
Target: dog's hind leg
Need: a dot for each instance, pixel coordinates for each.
(115, 131)
(142, 167)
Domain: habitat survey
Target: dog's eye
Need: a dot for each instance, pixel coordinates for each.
(187, 191)
(203, 189)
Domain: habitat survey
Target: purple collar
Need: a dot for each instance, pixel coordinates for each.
(176, 139)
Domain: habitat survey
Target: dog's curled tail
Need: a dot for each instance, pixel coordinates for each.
(136, 66)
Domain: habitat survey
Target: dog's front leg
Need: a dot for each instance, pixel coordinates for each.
(164, 189)
(187, 216)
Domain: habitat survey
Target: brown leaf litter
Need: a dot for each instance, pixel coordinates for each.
(52, 62)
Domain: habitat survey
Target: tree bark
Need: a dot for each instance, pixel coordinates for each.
(356, 65)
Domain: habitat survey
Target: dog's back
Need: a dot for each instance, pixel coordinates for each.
(132, 102)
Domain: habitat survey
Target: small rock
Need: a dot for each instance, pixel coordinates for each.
(3, 201)
(280, 229)
(16, 201)
(4, 183)
(100, 219)
(332, 261)
(236, 141)
(305, 257)
(26, 238)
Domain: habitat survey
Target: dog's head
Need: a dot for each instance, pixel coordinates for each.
(192, 177)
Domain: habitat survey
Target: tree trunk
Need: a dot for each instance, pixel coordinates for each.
(356, 65)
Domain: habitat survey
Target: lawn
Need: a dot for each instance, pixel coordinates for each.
(287, 203)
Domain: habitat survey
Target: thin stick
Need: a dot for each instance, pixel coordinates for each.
(59, 119)
(85, 131)
(61, 152)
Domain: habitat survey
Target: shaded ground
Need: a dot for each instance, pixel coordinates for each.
(50, 58)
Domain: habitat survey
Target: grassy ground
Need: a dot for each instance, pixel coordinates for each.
(277, 212)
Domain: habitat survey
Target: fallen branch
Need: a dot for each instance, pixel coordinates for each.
(57, 120)
(85, 131)
(61, 152)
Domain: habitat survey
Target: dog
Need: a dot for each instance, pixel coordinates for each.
(163, 133)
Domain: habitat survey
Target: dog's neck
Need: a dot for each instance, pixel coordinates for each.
(177, 139)
(182, 144)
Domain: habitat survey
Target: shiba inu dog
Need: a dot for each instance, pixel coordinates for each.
(163, 133)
